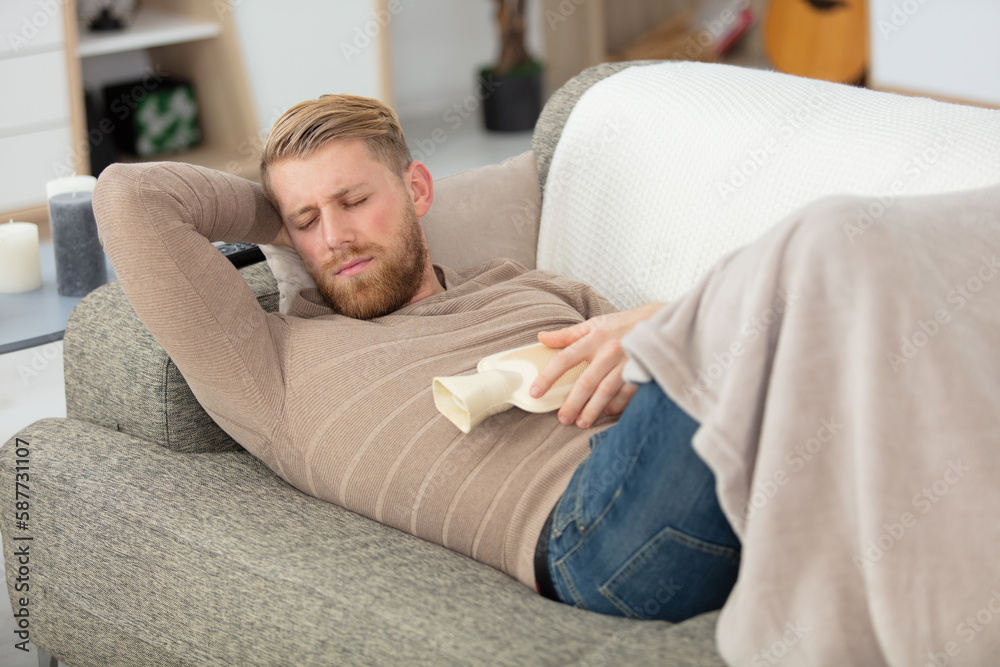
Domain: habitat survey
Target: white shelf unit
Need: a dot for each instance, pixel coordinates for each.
(191, 40)
(149, 28)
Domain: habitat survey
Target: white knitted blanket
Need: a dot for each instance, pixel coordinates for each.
(663, 169)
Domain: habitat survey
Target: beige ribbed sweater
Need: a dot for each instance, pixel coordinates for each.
(342, 408)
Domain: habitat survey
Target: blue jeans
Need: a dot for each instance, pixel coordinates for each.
(639, 531)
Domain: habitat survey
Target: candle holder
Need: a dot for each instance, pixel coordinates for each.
(80, 265)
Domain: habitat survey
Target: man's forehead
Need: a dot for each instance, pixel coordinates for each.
(332, 172)
(343, 160)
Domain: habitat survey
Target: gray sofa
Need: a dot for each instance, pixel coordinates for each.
(157, 540)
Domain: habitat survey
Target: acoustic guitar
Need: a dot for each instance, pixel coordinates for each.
(820, 39)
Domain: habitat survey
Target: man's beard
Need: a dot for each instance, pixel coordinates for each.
(386, 286)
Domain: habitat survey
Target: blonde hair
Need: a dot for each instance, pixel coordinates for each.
(309, 126)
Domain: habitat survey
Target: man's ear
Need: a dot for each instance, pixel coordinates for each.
(421, 187)
(283, 237)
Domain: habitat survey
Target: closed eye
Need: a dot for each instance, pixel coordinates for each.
(356, 203)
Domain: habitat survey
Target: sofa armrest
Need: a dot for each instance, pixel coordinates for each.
(118, 376)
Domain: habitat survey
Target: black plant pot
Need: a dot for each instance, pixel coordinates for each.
(511, 102)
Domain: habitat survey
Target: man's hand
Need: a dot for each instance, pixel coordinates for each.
(600, 389)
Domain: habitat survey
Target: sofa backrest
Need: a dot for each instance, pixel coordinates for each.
(653, 172)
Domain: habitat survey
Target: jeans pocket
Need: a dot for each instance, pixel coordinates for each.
(570, 509)
(673, 577)
(596, 439)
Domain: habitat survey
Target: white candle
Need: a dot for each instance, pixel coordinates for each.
(69, 184)
(20, 266)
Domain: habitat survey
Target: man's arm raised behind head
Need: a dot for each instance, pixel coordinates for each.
(157, 222)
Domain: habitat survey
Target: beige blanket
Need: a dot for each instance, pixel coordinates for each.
(845, 369)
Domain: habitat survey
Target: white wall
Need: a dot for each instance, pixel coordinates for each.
(947, 48)
(299, 49)
(295, 50)
(438, 48)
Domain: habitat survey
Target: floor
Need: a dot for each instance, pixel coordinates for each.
(31, 388)
(31, 381)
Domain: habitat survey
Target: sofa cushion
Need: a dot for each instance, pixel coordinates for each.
(478, 214)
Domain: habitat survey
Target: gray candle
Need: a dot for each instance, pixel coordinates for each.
(80, 266)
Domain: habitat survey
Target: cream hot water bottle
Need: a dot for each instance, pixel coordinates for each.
(503, 382)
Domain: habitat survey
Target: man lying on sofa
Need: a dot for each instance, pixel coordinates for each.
(849, 441)
(336, 397)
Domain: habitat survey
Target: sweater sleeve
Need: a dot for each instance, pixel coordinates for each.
(157, 222)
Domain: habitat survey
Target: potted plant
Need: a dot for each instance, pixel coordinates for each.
(511, 89)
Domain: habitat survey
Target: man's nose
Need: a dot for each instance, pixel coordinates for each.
(337, 232)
